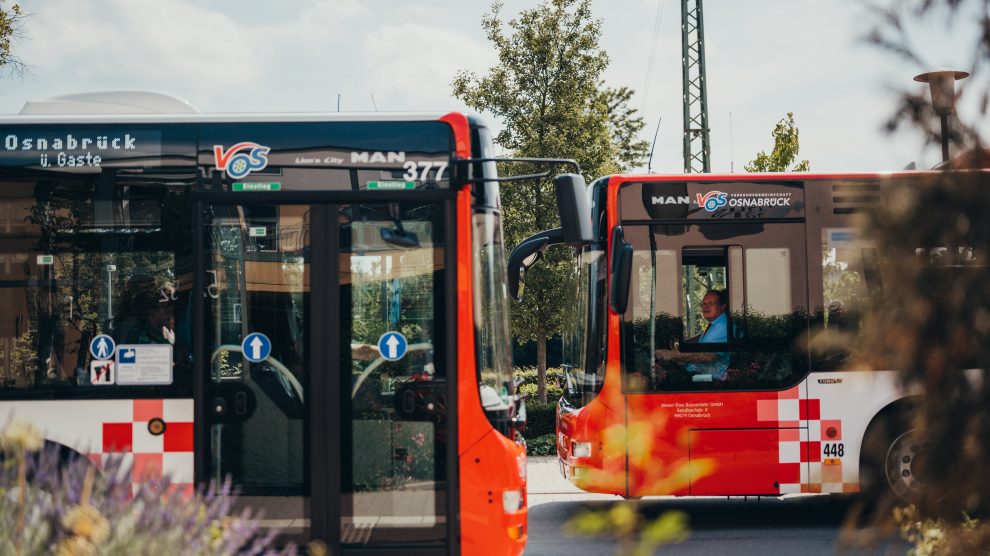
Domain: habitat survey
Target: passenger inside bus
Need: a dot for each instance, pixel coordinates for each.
(710, 365)
(145, 313)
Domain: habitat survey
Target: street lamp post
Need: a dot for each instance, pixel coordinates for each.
(942, 85)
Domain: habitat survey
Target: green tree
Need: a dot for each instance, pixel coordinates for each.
(785, 150)
(11, 22)
(548, 92)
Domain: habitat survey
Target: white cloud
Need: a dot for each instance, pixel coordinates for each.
(322, 19)
(154, 42)
(412, 65)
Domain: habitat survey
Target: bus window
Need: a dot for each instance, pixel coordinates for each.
(849, 281)
(702, 270)
(397, 407)
(768, 281)
(844, 278)
(584, 306)
(715, 317)
(84, 255)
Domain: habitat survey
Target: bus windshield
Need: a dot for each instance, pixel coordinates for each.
(584, 306)
(491, 313)
(713, 303)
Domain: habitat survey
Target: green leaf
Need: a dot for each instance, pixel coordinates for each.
(786, 147)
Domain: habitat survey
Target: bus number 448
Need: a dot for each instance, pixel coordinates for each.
(834, 450)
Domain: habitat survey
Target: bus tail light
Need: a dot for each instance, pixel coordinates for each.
(512, 501)
(580, 449)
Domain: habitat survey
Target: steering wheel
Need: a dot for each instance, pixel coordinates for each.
(378, 363)
(274, 363)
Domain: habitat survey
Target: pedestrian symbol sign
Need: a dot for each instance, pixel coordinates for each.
(102, 347)
(392, 346)
(256, 347)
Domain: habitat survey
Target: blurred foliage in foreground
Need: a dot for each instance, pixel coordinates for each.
(932, 323)
(632, 443)
(635, 534)
(51, 504)
(936, 537)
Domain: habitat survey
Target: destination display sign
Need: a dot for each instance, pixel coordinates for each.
(711, 200)
(88, 147)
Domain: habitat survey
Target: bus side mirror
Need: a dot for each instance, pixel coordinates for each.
(620, 272)
(526, 254)
(575, 215)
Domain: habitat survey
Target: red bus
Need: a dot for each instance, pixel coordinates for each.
(688, 370)
(312, 305)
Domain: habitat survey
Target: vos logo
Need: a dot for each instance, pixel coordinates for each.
(241, 159)
(712, 200)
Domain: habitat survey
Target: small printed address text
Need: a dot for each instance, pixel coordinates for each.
(696, 410)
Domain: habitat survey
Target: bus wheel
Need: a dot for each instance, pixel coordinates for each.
(904, 464)
(891, 460)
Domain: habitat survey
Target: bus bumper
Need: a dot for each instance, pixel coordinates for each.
(494, 505)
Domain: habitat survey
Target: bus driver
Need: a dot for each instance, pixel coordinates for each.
(708, 365)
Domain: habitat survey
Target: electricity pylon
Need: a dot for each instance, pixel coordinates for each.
(697, 149)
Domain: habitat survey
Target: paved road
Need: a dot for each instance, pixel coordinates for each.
(805, 525)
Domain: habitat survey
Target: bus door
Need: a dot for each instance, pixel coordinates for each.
(325, 392)
(709, 340)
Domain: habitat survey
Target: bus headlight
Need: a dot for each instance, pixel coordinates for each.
(512, 501)
(580, 449)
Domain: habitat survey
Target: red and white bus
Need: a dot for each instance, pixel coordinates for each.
(311, 305)
(654, 407)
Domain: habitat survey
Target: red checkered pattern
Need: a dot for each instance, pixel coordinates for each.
(153, 456)
(786, 413)
(802, 432)
(827, 477)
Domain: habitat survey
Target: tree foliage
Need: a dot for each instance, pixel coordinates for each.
(11, 24)
(933, 321)
(547, 90)
(894, 33)
(785, 150)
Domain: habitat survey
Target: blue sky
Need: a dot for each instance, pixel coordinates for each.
(764, 57)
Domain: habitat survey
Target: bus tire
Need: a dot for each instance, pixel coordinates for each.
(64, 457)
(891, 458)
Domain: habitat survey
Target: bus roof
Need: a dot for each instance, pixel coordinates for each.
(760, 176)
(154, 107)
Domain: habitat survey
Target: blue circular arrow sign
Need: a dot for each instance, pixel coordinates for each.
(256, 347)
(392, 346)
(102, 347)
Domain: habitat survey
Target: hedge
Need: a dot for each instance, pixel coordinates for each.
(541, 446)
(540, 432)
(539, 420)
